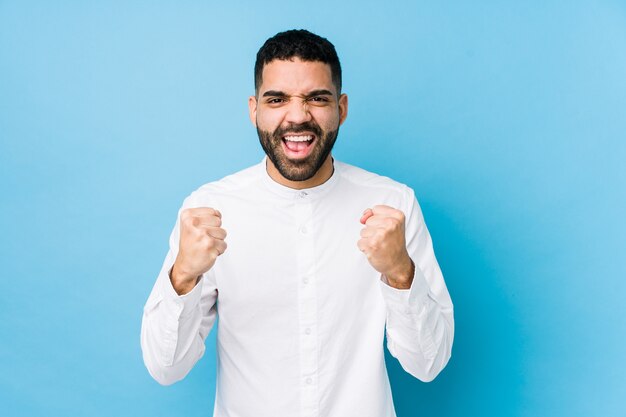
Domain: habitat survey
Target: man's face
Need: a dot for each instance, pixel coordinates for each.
(297, 113)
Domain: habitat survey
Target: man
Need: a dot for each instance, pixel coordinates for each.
(321, 258)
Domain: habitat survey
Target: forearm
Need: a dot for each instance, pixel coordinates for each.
(420, 331)
(169, 353)
(174, 328)
(420, 320)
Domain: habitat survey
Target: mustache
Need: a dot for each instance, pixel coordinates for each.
(298, 128)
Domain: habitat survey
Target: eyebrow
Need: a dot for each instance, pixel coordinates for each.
(321, 92)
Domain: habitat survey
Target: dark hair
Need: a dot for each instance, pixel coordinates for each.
(301, 44)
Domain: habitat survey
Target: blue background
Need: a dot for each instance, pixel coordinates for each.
(507, 118)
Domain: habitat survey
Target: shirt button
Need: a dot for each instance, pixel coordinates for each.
(305, 280)
(307, 330)
(304, 230)
(303, 194)
(308, 381)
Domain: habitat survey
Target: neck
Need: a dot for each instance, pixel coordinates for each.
(321, 176)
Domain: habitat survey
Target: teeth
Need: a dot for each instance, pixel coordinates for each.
(293, 138)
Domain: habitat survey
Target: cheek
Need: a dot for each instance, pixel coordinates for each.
(268, 120)
(327, 120)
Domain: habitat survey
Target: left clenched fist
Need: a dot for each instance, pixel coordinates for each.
(382, 241)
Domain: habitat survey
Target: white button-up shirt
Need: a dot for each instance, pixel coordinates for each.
(302, 313)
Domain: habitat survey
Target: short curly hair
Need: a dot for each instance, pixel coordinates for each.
(298, 43)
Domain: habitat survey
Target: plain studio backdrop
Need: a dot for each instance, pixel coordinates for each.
(507, 118)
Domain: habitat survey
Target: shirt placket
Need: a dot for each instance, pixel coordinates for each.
(307, 306)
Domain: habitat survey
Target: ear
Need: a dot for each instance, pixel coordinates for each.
(252, 109)
(343, 108)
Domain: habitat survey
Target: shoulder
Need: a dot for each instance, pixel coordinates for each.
(377, 189)
(384, 190)
(362, 178)
(227, 186)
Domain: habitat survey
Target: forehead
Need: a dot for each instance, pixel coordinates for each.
(296, 76)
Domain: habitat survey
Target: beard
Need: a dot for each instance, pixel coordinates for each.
(300, 169)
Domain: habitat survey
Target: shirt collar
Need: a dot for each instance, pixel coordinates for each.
(293, 194)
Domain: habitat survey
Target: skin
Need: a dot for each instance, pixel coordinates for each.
(286, 97)
(382, 241)
(295, 93)
(201, 242)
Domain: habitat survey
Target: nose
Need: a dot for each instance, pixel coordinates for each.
(298, 112)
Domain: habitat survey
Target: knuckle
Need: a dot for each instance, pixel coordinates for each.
(209, 243)
(185, 216)
(186, 226)
(395, 224)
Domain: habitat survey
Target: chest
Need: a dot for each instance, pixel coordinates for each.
(277, 251)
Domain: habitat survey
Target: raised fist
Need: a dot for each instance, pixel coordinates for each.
(383, 242)
(201, 242)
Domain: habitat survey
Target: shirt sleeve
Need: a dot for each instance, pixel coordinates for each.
(174, 327)
(420, 321)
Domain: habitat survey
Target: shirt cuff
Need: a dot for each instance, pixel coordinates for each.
(181, 305)
(411, 300)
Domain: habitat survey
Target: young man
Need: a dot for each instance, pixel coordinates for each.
(322, 257)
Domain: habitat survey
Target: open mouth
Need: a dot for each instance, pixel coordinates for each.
(298, 146)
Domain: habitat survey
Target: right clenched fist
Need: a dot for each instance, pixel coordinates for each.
(201, 242)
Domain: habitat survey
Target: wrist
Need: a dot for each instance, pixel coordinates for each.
(402, 276)
(181, 280)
